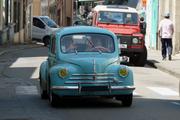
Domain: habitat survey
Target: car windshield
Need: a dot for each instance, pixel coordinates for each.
(87, 43)
(49, 22)
(118, 17)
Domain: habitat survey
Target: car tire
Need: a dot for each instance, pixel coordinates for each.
(142, 58)
(43, 93)
(46, 41)
(139, 59)
(53, 99)
(126, 99)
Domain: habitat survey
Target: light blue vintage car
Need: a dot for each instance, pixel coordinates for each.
(84, 61)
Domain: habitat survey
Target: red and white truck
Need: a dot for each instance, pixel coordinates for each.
(124, 22)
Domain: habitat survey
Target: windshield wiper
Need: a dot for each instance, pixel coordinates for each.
(100, 52)
(93, 46)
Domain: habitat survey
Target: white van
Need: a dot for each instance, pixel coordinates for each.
(42, 28)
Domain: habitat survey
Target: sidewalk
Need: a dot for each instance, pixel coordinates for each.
(172, 67)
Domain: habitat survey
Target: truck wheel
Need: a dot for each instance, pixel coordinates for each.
(126, 99)
(142, 58)
(46, 41)
(139, 59)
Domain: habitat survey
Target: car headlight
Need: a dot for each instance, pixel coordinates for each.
(135, 40)
(63, 73)
(123, 72)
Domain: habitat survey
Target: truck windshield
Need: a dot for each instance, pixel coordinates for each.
(118, 17)
(49, 22)
(87, 43)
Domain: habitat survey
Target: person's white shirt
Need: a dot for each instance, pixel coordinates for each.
(166, 28)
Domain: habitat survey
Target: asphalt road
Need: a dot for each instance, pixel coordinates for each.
(156, 96)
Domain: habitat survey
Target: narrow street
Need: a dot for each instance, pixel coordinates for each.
(156, 96)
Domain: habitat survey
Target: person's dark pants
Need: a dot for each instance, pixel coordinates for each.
(166, 46)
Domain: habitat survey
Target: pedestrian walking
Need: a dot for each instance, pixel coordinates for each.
(143, 26)
(166, 30)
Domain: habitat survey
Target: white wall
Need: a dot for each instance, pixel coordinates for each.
(148, 21)
(176, 7)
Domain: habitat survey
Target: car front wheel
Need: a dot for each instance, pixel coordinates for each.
(53, 99)
(125, 99)
(43, 92)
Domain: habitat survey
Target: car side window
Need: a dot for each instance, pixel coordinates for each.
(53, 44)
(38, 23)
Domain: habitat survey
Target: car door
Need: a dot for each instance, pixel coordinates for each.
(38, 29)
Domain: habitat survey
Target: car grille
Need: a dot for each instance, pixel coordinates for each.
(92, 78)
(100, 76)
(125, 40)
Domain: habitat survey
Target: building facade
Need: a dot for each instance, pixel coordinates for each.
(15, 21)
(6, 21)
(155, 10)
(65, 12)
(37, 7)
(150, 12)
(22, 20)
(61, 11)
(44, 7)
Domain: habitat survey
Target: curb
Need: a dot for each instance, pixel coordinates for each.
(164, 69)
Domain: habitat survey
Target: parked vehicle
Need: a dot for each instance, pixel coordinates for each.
(42, 28)
(84, 61)
(124, 22)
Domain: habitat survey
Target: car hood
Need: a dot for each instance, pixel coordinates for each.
(121, 29)
(92, 64)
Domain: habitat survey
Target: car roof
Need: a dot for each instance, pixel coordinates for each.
(115, 8)
(83, 29)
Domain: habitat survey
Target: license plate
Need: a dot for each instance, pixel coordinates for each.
(94, 88)
(124, 59)
(123, 45)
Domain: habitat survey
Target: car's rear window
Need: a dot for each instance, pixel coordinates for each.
(87, 43)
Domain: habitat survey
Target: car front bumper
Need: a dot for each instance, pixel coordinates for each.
(79, 88)
(90, 91)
